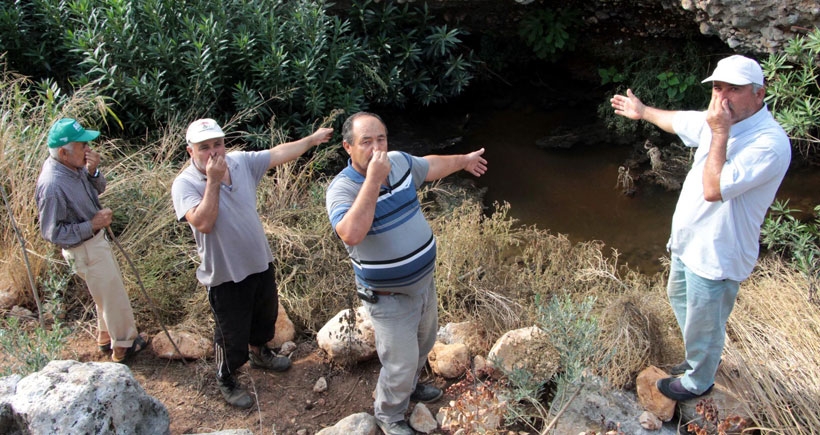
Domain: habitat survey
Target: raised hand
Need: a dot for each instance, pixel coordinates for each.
(628, 106)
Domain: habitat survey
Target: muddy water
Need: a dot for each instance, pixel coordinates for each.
(573, 191)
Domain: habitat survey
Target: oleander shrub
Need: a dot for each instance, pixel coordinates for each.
(282, 64)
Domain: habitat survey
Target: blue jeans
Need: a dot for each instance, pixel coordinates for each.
(702, 307)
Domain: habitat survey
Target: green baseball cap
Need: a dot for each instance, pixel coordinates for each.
(69, 130)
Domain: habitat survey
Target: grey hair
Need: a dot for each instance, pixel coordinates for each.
(756, 87)
(347, 128)
(55, 152)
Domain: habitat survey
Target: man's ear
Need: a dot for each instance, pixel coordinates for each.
(346, 146)
(190, 150)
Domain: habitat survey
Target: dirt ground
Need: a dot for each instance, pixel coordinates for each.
(286, 402)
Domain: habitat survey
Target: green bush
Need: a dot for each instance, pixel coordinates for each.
(273, 62)
(793, 91)
(29, 349)
(549, 33)
(783, 232)
(668, 81)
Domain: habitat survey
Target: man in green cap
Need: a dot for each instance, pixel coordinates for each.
(72, 218)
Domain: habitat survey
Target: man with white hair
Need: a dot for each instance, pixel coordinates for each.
(741, 158)
(72, 218)
(216, 195)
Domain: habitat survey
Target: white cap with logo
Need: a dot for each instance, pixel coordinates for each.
(202, 130)
(737, 70)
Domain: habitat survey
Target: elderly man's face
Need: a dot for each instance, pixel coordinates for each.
(201, 152)
(369, 135)
(75, 157)
(743, 100)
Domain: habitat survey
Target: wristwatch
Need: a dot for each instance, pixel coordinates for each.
(96, 173)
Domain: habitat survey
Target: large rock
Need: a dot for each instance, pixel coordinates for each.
(449, 360)
(361, 423)
(525, 349)
(346, 341)
(599, 403)
(69, 397)
(650, 397)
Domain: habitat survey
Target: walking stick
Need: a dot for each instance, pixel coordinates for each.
(145, 293)
(25, 258)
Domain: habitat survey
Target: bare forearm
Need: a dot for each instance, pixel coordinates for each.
(661, 118)
(713, 167)
(353, 228)
(203, 216)
(442, 166)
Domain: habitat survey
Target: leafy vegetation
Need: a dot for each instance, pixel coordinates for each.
(799, 240)
(793, 91)
(550, 32)
(279, 63)
(669, 81)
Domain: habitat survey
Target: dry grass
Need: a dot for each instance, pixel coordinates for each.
(774, 344)
(490, 269)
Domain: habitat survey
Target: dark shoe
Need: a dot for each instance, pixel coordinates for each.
(105, 348)
(672, 388)
(266, 359)
(137, 347)
(426, 393)
(395, 428)
(233, 393)
(679, 369)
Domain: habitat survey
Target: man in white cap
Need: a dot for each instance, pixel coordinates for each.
(216, 195)
(742, 155)
(72, 218)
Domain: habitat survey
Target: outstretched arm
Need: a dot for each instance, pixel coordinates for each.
(442, 166)
(288, 151)
(631, 107)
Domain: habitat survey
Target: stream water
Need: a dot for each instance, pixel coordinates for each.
(573, 191)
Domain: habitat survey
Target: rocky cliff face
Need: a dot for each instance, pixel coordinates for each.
(761, 26)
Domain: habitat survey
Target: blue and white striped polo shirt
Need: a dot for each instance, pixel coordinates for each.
(400, 247)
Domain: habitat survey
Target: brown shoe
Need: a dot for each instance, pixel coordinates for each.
(123, 354)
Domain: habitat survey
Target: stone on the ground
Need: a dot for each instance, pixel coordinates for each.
(468, 333)
(422, 420)
(360, 424)
(69, 397)
(650, 397)
(449, 360)
(525, 349)
(320, 386)
(650, 421)
(192, 346)
(344, 342)
(285, 331)
(620, 409)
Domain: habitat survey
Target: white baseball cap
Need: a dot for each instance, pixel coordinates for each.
(202, 130)
(737, 70)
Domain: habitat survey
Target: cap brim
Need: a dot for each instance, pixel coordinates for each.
(732, 80)
(87, 136)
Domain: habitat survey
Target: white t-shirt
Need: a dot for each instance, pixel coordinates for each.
(720, 240)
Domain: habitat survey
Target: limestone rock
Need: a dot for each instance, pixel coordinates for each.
(650, 397)
(70, 397)
(320, 386)
(449, 360)
(421, 419)
(650, 421)
(345, 342)
(526, 349)
(191, 346)
(361, 423)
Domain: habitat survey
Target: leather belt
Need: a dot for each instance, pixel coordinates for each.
(383, 293)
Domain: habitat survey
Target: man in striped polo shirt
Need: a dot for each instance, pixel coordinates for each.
(374, 209)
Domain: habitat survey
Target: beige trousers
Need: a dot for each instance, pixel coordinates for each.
(94, 262)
